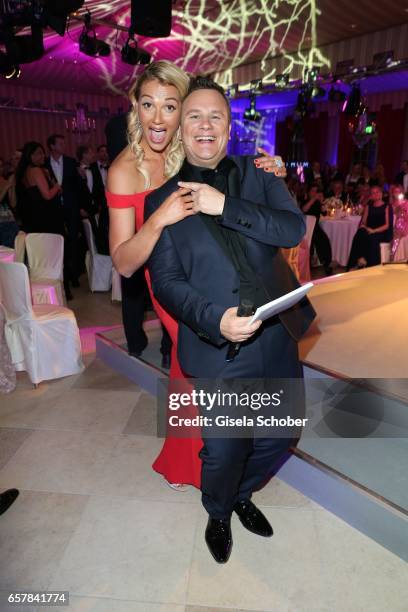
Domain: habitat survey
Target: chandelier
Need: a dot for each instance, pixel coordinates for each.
(80, 124)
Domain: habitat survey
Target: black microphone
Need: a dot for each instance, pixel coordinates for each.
(245, 309)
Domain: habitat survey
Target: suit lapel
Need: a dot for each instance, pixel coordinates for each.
(234, 182)
(197, 222)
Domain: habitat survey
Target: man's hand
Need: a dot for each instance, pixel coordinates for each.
(236, 329)
(205, 199)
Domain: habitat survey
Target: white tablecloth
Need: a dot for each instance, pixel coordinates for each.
(341, 233)
(7, 254)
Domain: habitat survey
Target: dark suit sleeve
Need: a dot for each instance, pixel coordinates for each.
(278, 223)
(172, 289)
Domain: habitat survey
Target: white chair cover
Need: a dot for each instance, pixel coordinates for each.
(19, 247)
(7, 254)
(43, 340)
(45, 254)
(7, 370)
(98, 267)
(116, 286)
(310, 225)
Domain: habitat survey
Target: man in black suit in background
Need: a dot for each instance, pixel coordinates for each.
(99, 169)
(116, 135)
(202, 268)
(64, 171)
(91, 187)
(402, 176)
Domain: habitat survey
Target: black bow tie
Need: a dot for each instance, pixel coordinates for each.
(86, 167)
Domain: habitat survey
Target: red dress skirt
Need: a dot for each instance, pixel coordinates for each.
(179, 460)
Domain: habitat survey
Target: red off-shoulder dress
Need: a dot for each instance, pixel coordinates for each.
(178, 460)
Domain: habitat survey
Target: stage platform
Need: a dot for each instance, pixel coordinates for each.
(361, 332)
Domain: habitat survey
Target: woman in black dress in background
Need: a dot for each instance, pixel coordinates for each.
(376, 227)
(37, 204)
(312, 205)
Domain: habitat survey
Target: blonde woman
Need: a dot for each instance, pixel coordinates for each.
(155, 154)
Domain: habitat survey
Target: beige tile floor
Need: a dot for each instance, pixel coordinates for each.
(94, 519)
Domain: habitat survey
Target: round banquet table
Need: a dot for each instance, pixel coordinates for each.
(340, 232)
(7, 254)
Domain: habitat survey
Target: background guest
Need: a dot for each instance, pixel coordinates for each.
(86, 157)
(8, 226)
(326, 174)
(402, 176)
(366, 175)
(354, 174)
(101, 165)
(63, 169)
(337, 191)
(399, 206)
(362, 194)
(99, 172)
(295, 189)
(312, 205)
(378, 178)
(376, 227)
(90, 187)
(313, 174)
(10, 173)
(37, 193)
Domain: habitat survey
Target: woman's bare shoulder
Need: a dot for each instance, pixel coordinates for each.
(123, 175)
(34, 174)
(35, 171)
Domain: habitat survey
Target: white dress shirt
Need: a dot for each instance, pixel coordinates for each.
(58, 168)
(405, 182)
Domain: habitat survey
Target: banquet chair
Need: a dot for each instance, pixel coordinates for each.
(292, 257)
(43, 339)
(45, 254)
(7, 370)
(116, 286)
(304, 250)
(98, 267)
(20, 247)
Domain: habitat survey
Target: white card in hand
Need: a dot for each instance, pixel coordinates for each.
(280, 304)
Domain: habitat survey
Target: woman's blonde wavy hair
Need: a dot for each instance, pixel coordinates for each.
(167, 74)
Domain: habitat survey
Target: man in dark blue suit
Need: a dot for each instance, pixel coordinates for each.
(205, 266)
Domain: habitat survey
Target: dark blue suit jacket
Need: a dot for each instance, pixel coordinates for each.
(70, 189)
(196, 281)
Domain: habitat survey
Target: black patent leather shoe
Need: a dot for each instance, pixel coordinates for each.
(7, 498)
(253, 519)
(219, 539)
